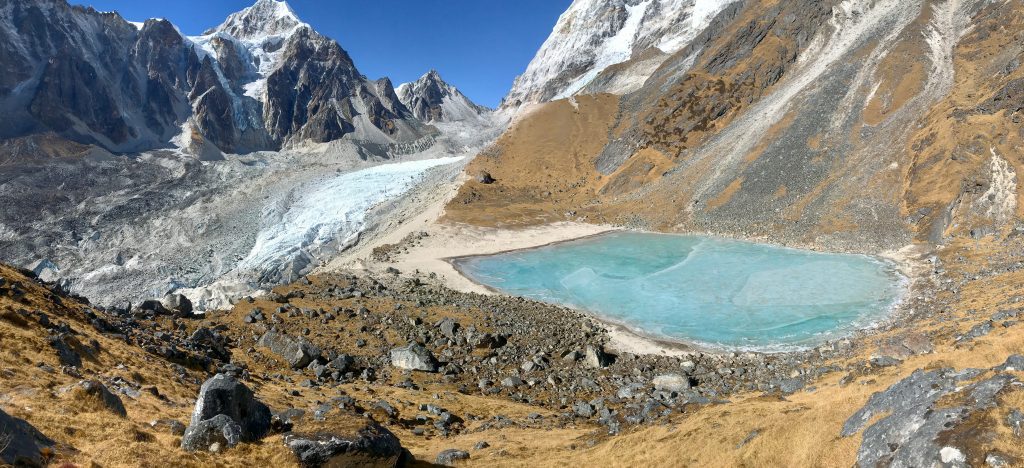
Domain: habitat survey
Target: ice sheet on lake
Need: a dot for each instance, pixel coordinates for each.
(702, 289)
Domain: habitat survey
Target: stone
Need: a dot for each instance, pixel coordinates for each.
(371, 446)
(787, 386)
(595, 357)
(414, 357)
(484, 177)
(449, 327)
(66, 354)
(297, 352)
(911, 419)
(99, 391)
(451, 456)
(583, 409)
(177, 304)
(342, 363)
(23, 444)
(671, 383)
(481, 445)
(172, 426)
(222, 394)
(212, 434)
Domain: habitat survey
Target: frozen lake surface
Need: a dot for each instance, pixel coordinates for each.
(703, 290)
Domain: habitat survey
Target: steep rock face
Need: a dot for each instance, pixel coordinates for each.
(330, 97)
(260, 80)
(89, 76)
(850, 124)
(431, 99)
(282, 82)
(593, 35)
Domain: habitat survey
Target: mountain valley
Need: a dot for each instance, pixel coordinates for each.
(234, 248)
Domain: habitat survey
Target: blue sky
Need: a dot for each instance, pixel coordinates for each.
(480, 46)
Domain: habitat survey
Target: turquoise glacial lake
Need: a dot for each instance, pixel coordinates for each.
(702, 290)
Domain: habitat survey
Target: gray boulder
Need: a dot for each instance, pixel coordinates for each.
(297, 352)
(371, 446)
(102, 393)
(21, 444)
(450, 456)
(177, 303)
(414, 357)
(342, 363)
(219, 429)
(671, 383)
(223, 395)
(448, 327)
(595, 357)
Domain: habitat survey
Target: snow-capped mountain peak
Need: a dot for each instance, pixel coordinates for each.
(431, 99)
(265, 18)
(593, 35)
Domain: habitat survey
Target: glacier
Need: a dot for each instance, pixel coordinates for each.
(332, 211)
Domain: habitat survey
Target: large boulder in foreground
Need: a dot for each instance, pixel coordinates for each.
(21, 444)
(371, 446)
(414, 357)
(219, 429)
(223, 395)
(297, 352)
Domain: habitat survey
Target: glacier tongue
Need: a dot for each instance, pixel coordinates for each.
(332, 212)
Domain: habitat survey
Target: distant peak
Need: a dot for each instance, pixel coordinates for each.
(264, 18)
(431, 78)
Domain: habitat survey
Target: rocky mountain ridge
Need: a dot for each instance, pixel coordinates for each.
(262, 80)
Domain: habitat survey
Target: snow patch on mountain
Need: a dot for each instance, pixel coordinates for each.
(260, 32)
(593, 35)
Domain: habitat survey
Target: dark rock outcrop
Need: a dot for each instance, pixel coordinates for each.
(99, 391)
(371, 446)
(20, 443)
